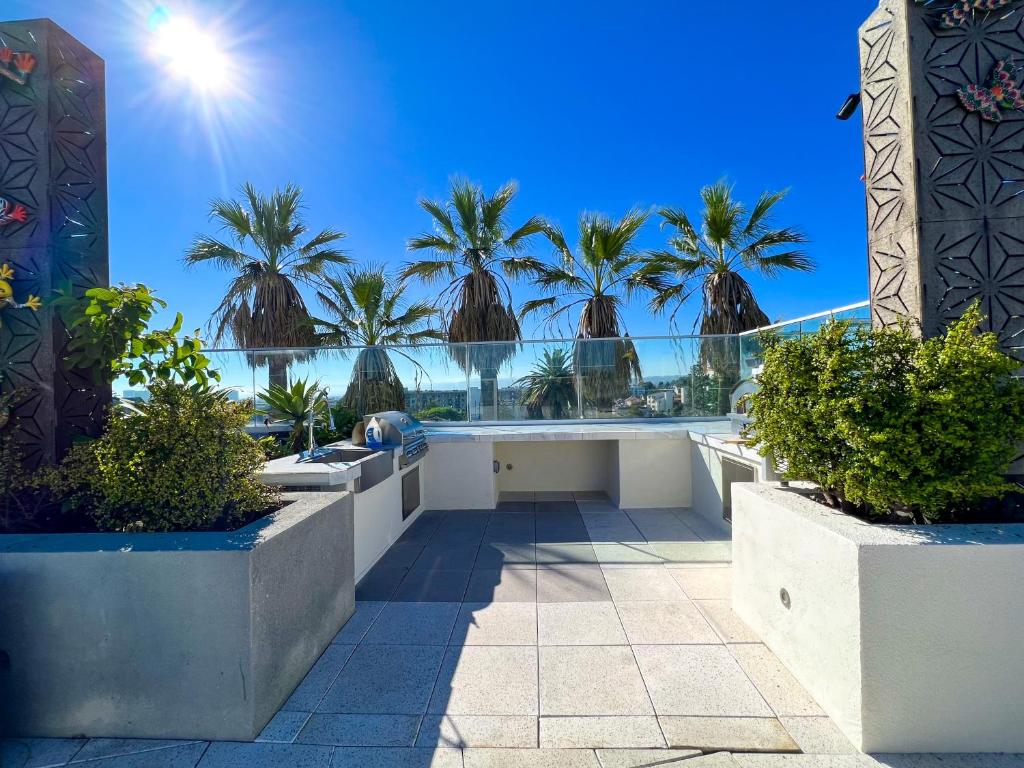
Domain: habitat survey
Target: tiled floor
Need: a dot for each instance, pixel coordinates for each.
(554, 633)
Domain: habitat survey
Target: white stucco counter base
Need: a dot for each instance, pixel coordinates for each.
(908, 637)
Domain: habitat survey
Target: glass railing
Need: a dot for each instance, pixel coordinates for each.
(548, 379)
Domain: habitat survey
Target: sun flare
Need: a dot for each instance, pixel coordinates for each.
(191, 53)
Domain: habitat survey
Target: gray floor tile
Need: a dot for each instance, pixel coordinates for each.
(494, 555)
(591, 496)
(588, 623)
(509, 496)
(645, 758)
(511, 529)
(684, 552)
(508, 585)
(183, 756)
(400, 555)
(283, 727)
(37, 753)
(530, 758)
(698, 680)
(422, 530)
(571, 584)
(360, 730)
(436, 586)
(611, 528)
(413, 624)
(554, 496)
(379, 583)
(321, 675)
(441, 556)
(549, 553)
(626, 554)
(555, 507)
(586, 506)
(818, 736)
(481, 680)
(828, 761)
(514, 507)
(494, 731)
(704, 583)
(727, 734)
(635, 584)
(99, 748)
(226, 754)
(392, 679)
(665, 623)
(493, 623)
(774, 682)
(661, 525)
(709, 530)
(730, 627)
(561, 527)
(600, 732)
(602, 680)
(360, 621)
(371, 757)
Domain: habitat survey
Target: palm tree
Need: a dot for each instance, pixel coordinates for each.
(294, 403)
(548, 390)
(368, 310)
(475, 249)
(731, 240)
(598, 278)
(270, 256)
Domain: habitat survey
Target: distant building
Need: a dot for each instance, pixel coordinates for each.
(661, 400)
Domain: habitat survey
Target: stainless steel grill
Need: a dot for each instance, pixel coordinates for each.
(401, 429)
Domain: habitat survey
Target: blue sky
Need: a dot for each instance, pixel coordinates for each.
(595, 105)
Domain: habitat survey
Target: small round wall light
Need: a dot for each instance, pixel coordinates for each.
(784, 597)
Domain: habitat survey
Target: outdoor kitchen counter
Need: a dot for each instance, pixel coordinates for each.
(633, 430)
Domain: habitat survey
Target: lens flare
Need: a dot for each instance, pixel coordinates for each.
(189, 52)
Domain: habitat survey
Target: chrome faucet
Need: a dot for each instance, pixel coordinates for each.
(320, 395)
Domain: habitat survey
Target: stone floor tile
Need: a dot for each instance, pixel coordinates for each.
(511, 529)
(37, 753)
(704, 583)
(496, 624)
(600, 732)
(442, 556)
(589, 623)
(494, 731)
(401, 554)
(366, 612)
(530, 758)
(283, 727)
(815, 761)
(422, 530)
(318, 680)
(665, 623)
(100, 748)
(686, 553)
(626, 554)
(633, 584)
(565, 553)
(591, 496)
(571, 584)
(495, 554)
(698, 680)
(555, 506)
(185, 755)
(514, 507)
(712, 760)
(644, 758)
(707, 529)
(373, 757)
(597, 505)
(227, 754)
(975, 760)
(730, 627)
(516, 496)
(413, 624)
(483, 680)
(601, 680)
(508, 585)
(561, 528)
(661, 525)
(360, 730)
(554, 496)
(727, 734)
(775, 683)
(379, 583)
(385, 679)
(433, 586)
(818, 736)
(611, 528)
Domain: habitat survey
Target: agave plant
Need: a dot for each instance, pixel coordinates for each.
(270, 255)
(295, 403)
(548, 390)
(475, 250)
(368, 310)
(598, 278)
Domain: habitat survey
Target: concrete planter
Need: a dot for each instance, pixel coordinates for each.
(190, 635)
(909, 638)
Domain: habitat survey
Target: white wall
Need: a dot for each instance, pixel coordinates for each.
(459, 476)
(653, 474)
(909, 638)
(378, 520)
(560, 465)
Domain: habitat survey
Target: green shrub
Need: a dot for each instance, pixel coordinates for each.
(889, 424)
(440, 413)
(183, 463)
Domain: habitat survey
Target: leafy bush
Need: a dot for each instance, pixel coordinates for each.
(440, 413)
(891, 425)
(110, 335)
(183, 463)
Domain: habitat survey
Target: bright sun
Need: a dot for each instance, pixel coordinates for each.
(190, 53)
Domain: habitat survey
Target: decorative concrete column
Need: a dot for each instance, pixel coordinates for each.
(53, 229)
(944, 158)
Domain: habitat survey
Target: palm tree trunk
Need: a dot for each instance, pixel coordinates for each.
(278, 366)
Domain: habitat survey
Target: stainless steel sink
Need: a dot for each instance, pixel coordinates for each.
(376, 466)
(345, 455)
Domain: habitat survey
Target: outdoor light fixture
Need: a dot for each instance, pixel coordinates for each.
(849, 107)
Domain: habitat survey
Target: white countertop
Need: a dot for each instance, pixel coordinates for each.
(631, 430)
